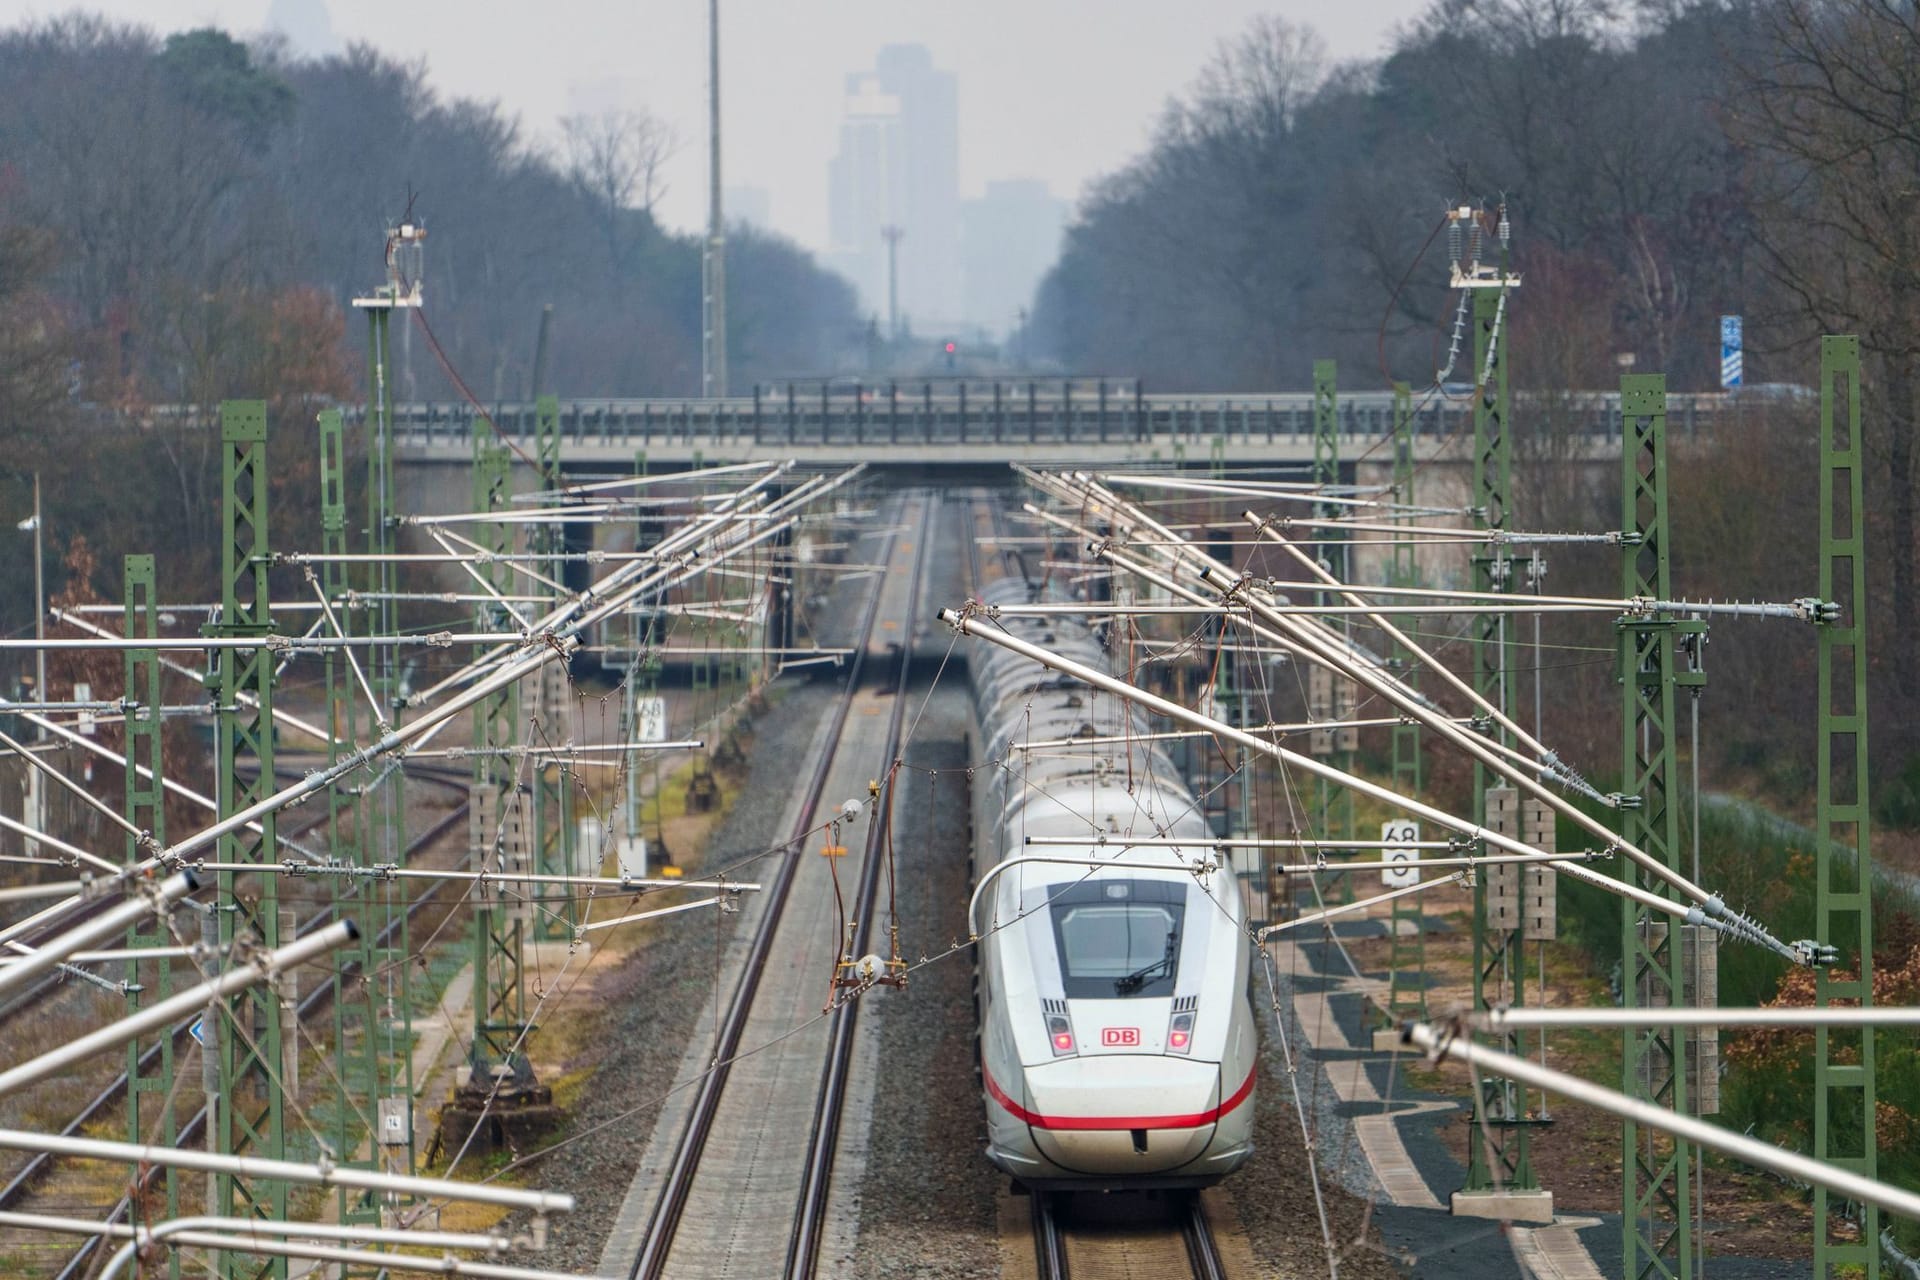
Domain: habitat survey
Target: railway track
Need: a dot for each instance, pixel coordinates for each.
(37, 1169)
(30, 999)
(1093, 1237)
(803, 1254)
(985, 528)
(1133, 1238)
(757, 1174)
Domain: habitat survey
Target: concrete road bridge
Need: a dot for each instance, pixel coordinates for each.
(961, 424)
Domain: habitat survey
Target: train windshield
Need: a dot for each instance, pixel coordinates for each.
(1118, 938)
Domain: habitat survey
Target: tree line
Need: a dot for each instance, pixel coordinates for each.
(186, 219)
(1662, 164)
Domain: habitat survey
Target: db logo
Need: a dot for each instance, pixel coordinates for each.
(1119, 1037)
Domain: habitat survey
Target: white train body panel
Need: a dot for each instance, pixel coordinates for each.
(1139, 963)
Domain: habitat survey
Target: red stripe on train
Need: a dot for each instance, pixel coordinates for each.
(1191, 1121)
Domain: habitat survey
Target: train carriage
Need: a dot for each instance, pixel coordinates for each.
(1117, 1044)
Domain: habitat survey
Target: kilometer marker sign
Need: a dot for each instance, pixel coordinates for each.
(1406, 871)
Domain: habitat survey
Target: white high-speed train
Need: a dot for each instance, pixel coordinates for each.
(1117, 1045)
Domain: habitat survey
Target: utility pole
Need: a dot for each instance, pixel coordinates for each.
(500, 1081)
(151, 1115)
(891, 234)
(499, 819)
(1407, 971)
(374, 829)
(549, 717)
(371, 1012)
(35, 814)
(1330, 696)
(250, 1119)
(1844, 1117)
(713, 347)
(537, 380)
(1500, 1179)
(39, 603)
(1657, 1219)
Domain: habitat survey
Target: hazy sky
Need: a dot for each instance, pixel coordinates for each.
(1062, 90)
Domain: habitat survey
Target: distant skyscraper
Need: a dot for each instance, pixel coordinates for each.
(1012, 236)
(899, 165)
(864, 188)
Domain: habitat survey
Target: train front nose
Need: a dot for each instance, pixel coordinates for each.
(1123, 1113)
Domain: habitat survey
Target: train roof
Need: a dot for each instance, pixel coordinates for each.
(1105, 808)
(1019, 701)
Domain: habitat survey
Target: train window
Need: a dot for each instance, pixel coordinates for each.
(1118, 938)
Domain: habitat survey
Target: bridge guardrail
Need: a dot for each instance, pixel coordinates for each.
(969, 413)
(893, 414)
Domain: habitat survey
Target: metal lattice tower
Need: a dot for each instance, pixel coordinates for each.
(250, 1115)
(1501, 1111)
(372, 1017)
(552, 782)
(344, 846)
(151, 1116)
(380, 497)
(1843, 1081)
(1657, 1222)
(1409, 941)
(1336, 803)
(1403, 570)
(384, 801)
(499, 820)
(643, 678)
(1326, 428)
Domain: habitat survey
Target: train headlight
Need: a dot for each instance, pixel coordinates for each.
(1180, 1033)
(1059, 1034)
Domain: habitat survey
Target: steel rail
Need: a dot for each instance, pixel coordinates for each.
(803, 1245)
(1049, 1244)
(319, 998)
(20, 1002)
(1202, 1252)
(254, 971)
(1195, 1231)
(191, 1127)
(663, 1222)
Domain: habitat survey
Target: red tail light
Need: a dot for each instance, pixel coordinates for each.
(1180, 1033)
(1060, 1033)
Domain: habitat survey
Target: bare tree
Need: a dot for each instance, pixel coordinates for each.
(1831, 117)
(614, 158)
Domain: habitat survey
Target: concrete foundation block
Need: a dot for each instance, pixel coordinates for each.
(1505, 1206)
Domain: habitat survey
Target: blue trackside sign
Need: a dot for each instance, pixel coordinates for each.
(1732, 356)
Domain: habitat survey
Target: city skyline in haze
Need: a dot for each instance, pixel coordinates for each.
(893, 188)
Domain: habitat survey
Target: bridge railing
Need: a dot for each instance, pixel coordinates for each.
(1008, 414)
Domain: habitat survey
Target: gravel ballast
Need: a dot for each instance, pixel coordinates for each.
(655, 998)
(927, 1203)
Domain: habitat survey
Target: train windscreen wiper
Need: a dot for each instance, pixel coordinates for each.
(1161, 968)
